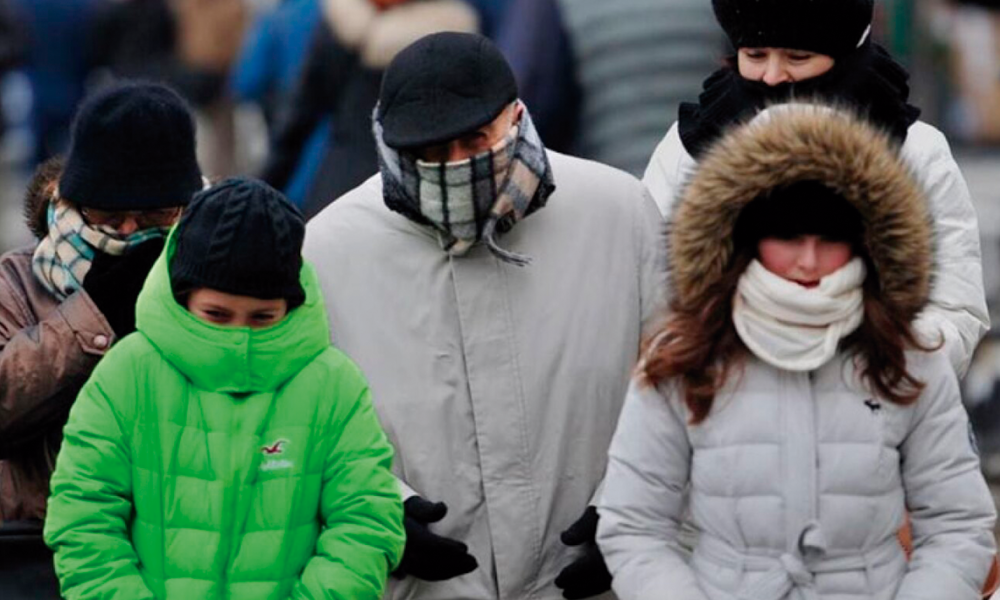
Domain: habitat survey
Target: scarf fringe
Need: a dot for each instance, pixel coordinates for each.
(489, 237)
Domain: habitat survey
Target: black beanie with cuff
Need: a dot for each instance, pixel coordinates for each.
(241, 237)
(831, 27)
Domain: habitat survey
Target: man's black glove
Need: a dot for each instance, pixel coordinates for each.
(428, 556)
(114, 283)
(588, 575)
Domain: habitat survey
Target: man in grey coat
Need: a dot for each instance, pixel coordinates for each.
(495, 295)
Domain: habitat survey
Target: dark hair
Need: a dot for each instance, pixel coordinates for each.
(698, 344)
(40, 193)
(801, 208)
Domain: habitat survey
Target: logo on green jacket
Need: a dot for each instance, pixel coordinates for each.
(275, 448)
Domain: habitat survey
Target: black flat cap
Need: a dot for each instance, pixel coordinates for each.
(442, 86)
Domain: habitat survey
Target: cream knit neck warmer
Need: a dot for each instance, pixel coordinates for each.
(793, 327)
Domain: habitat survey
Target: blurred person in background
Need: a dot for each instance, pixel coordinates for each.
(273, 52)
(341, 80)
(491, 14)
(12, 46)
(266, 71)
(191, 45)
(972, 38)
(100, 222)
(56, 66)
(823, 49)
(495, 294)
(604, 78)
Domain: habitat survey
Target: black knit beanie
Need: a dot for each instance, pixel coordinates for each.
(831, 27)
(801, 208)
(132, 148)
(241, 237)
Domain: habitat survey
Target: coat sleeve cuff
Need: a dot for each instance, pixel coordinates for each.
(405, 490)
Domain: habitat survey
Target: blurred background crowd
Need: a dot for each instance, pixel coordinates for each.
(284, 89)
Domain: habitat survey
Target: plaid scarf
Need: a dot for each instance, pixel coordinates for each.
(63, 258)
(474, 199)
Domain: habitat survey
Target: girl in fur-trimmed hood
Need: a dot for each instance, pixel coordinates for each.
(788, 392)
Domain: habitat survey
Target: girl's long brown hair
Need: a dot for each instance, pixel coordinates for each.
(698, 345)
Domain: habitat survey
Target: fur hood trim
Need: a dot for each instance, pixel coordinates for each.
(802, 142)
(379, 35)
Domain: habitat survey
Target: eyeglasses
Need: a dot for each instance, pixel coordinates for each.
(144, 219)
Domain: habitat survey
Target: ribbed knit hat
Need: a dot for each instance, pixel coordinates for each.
(132, 148)
(831, 27)
(802, 208)
(241, 237)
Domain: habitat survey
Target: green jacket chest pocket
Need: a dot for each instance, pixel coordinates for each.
(286, 481)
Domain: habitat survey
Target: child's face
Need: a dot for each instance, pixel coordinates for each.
(220, 308)
(805, 259)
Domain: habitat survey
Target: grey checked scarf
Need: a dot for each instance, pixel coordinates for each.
(63, 258)
(474, 199)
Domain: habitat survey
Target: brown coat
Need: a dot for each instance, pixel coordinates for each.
(47, 351)
(209, 32)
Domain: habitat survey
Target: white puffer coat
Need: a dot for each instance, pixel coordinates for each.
(799, 481)
(958, 300)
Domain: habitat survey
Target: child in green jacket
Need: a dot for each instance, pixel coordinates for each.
(226, 449)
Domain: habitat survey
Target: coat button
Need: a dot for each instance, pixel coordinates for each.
(101, 341)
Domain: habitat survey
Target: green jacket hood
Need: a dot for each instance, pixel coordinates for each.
(230, 359)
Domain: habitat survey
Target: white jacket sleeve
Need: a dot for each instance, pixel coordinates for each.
(641, 507)
(651, 252)
(957, 308)
(951, 509)
(665, 174)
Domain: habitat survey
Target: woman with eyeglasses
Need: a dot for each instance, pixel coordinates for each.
(823, 49)
(100, 217)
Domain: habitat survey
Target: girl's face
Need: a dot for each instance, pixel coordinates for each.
(775, 66)
(805, 259)
(227, 310)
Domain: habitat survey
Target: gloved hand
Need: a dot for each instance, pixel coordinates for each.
(588, 575)
(114, 283)
(429, 556)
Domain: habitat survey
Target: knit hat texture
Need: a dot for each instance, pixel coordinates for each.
(831, 27)
(241, 237)
(442, 86)
(802, 208)
(132, 148)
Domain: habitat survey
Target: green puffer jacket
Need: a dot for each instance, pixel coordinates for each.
(201, 462)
